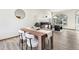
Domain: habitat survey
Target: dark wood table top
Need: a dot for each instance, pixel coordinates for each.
(33, 31)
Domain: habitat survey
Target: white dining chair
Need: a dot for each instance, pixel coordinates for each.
(22, 38)
(32, 42)
(28, 38)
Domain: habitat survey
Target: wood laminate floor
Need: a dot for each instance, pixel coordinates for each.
(66, 40)
(62, 40)
(9, 44)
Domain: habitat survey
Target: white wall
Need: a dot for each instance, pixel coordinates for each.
(9, 24)
(71, 18)
(41, 16)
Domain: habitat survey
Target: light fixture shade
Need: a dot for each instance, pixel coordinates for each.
(19, 13)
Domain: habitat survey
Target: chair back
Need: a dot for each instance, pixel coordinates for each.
(22, 34)
(29, 35)
(31, 38)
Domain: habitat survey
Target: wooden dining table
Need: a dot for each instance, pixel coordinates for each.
(40, 36)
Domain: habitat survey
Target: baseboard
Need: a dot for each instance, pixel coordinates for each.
(8, 36)
(69, 29)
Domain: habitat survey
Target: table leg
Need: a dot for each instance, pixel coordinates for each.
(51, 41)
(39, 43)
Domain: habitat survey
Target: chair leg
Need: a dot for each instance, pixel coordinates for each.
(21, 41)
(22, 44)
(26, 44)
(30, 44)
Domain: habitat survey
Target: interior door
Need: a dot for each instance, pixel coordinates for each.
(77, 22)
